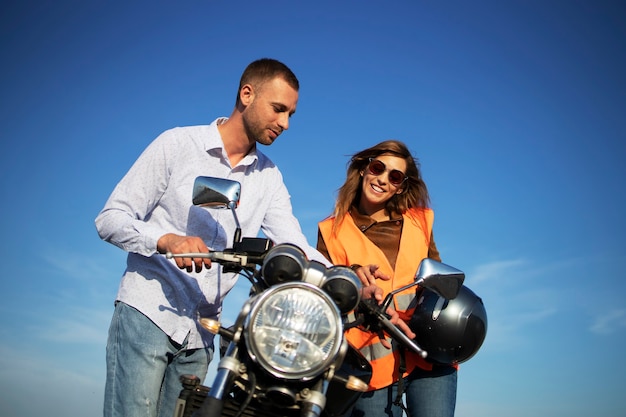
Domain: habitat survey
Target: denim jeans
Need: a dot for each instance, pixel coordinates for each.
(144, 366)
(427, 394)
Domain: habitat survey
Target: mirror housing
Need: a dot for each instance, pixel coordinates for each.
(444, 280)
(218, 193)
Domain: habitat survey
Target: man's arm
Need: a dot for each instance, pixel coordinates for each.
(122, 221)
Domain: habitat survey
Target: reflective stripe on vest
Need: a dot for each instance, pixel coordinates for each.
(376, 350)
(406, 300)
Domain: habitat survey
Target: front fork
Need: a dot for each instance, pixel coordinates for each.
(315, 401)
(227, 370)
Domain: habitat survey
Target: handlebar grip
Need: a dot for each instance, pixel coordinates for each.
(213, 256)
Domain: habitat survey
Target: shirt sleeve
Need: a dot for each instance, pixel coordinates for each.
(123, 220)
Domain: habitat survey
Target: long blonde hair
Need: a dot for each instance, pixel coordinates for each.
(414, 194)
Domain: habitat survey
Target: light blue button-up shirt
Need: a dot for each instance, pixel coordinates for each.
(155, 198)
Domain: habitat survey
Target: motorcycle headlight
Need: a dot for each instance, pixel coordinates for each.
(294, 331)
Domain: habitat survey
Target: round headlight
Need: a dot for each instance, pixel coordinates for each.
(294, 331)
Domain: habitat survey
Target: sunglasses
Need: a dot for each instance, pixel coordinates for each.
(376, 167)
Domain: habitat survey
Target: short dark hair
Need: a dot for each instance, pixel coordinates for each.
(266, 69)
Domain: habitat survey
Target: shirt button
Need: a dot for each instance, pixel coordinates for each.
(363, 228)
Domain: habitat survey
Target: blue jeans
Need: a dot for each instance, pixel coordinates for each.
(427, 394)
(144, 366)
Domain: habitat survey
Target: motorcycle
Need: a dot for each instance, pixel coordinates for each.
(286, 354)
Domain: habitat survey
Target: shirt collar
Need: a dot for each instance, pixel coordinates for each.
(214, 144)
(365, 221)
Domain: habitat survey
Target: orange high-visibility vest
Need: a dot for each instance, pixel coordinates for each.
(350, 246)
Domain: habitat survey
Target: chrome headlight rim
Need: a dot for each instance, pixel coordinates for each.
(255, 346)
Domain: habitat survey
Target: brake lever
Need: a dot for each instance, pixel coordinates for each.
(382, 319)
(220, 257)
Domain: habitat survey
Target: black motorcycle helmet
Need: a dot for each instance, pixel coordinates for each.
(451, 331)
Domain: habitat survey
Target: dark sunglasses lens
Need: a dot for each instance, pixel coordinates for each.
(396, 177)
(377, 167)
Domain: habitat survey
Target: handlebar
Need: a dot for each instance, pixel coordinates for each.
(213, 256)
(236, 260)
(246, 252)
(241, 259)
(372, 309)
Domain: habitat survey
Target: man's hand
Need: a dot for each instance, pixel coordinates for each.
(369, 274)
(184, 244)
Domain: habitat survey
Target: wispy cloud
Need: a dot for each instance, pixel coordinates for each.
(84, 266)
(76, 325)
(78, 308)
(522, 270)
(609, 322)
(509, 329)
(513, 300)
(496, 270)
(523, 297)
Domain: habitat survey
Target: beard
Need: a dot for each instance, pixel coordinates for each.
(255, 129)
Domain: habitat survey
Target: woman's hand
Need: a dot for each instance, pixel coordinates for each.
(394, 318)
(369, 274)
(375, 292)
(372, 291)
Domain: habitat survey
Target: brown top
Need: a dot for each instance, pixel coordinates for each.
(385, 235)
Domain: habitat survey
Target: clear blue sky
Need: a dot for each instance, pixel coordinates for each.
(516, 110)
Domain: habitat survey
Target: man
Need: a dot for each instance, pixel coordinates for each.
(154, 335)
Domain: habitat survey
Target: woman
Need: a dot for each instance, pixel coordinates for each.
(382, 217)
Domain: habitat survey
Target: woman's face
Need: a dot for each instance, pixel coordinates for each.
(377, 187)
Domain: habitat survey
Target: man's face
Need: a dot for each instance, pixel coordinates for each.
(268, 110)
